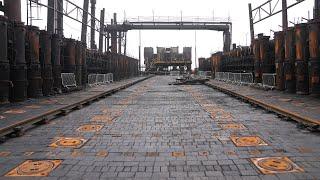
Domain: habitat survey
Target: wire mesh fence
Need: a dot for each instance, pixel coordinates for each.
(68, 80)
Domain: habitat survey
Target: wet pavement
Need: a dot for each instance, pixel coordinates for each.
(155, 131)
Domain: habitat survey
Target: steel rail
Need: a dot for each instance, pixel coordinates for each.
(62, 110)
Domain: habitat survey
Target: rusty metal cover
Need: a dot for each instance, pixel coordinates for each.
(273, 165)
(203, 153)
(178, 154)
(90, 128)
(33, 107)
(102, 118)
(232, 126)
(246, 141)
(152, 154)
(35, 168)
(102, 153)
(4, 154)
(69, 142)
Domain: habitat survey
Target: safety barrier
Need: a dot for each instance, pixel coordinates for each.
(269, 80)
(205, 74)
(99, 79)
(68, 80)
(242, 78)
(174, 73)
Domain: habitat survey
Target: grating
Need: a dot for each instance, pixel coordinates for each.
(152, 154)
(90, 128)
(246, 141)
(273, 165)
(35, 168)
(69, 142)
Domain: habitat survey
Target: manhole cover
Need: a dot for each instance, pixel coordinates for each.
(4, 154)
(178, 154)
(285, 100)
(152, 154)
(69, 142)
(203, 153)
(35, 168)
(28, 153)
(232, 126)
(102, 154)
(15, 111)
(247, 141)
(272, 165)
(102, 118)
(90, 128)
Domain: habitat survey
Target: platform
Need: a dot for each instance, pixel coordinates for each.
(302, 108)
(16, 116)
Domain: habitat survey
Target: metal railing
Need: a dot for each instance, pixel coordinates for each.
(205, 74)
(68, 80)
(99, 79)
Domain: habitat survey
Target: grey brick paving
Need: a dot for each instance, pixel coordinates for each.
(154, 120)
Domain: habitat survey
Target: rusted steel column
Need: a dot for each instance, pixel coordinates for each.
(60, 18)
(227, 41)
(267, 55)
(93, 24)
(84, 21)
(314, 61)
(101, 33)
(46, 64)
(84, 64)
(33, 62)
(69, 60)
(79, 61)
(279, 59)
(257, 61)
(302, 58)
(12, 9)
(18, 68)
(5, 82)
(50, 16)
(289, 61)
(56, 62)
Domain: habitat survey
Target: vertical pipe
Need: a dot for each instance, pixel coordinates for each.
(251, 23)
(93, 24)
(84, 21)
(279, 58)
(50, 16)
(4, 62)
(113, 38)
(12, 9)
(314, 60)
(56, 61)
(101, 30)
(60, 18)
(284, 15)
(46, 64)
(120, 42)
(316, 13)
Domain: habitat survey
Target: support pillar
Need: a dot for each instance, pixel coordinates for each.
(93, 24)
(101, 30)
(84, 21)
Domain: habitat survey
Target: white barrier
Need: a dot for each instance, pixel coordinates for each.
(68, 80)
(269, 80)
(242, 78)
(99, 79)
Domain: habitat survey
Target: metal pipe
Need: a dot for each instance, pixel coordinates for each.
(93, 24)
(316, 13)
(84, 21)
(101, 30)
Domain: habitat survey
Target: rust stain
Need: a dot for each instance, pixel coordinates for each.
(273, 165)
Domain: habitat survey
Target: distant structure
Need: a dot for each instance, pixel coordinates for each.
(167, 59)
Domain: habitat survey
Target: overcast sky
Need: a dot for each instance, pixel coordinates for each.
(207, 41)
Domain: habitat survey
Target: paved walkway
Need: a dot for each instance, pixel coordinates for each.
(156, 131)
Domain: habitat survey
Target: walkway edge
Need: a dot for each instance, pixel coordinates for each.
(44, 116)
(267, 106)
